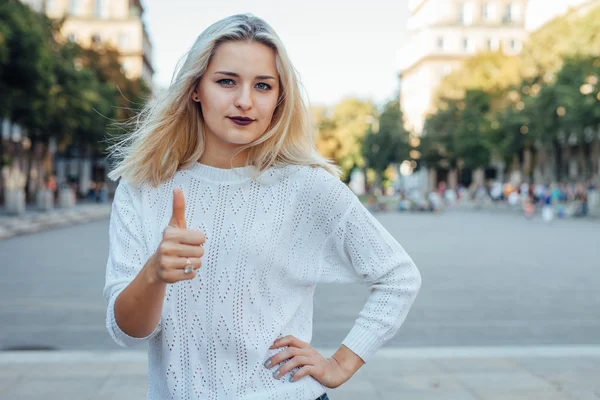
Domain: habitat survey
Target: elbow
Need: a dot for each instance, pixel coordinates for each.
(115, 335)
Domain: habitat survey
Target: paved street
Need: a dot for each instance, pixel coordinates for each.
(415, 374)
(488, 280)
(508, 310)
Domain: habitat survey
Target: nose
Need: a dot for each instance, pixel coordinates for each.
(244, 99)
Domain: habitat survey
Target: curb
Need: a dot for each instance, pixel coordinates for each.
(20, 226)
(398, 353)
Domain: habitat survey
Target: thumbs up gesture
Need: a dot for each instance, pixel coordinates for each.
(180, 252)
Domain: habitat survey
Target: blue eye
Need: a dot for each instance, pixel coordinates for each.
(226, 82)
(263, 86)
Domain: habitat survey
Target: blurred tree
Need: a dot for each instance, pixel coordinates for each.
(437, 146)
(55, 89)
(340, 132)
(130, 94)
(472, 135)
(26, 78)
(491, 72)
(459, 135)
(389, 143)
(564, 37)
(577, 91)
(26, 47)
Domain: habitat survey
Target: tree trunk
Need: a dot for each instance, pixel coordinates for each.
(2, 159)
(30, 159)
(557, 159)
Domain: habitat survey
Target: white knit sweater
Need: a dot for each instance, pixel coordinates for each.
(270, 240)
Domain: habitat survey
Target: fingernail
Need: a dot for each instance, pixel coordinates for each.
(276, 374)
(268, 364)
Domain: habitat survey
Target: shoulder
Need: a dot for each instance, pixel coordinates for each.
(326, 194)
(316, 180)
(134, 194)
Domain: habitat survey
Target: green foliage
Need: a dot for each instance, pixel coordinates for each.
(562, 38)
(340, 131)
(459, 133)
(388, 144)
(499, 105)
(26, 49)
(492, 72)
(60, 90)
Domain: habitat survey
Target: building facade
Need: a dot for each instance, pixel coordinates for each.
(441, 35)
(117, 23)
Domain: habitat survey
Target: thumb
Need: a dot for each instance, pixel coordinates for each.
(178, 217)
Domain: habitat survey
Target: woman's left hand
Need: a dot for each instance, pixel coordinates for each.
(301, 354)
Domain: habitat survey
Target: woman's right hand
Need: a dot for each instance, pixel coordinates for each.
(177, 247)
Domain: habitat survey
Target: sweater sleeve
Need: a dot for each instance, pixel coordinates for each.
(126, 257)
(360, 249)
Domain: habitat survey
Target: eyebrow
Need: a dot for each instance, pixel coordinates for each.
(237, 75)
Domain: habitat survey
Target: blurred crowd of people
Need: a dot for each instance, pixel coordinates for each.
(560, 199)
(555, 200)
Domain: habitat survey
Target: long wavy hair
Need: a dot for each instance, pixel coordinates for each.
(168, 133)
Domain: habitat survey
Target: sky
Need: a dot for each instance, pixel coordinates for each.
(339, 48)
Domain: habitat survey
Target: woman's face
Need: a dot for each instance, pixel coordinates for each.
(238, 94)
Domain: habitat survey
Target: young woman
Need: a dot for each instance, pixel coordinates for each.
(224, 221)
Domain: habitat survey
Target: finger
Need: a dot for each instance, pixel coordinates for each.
(179, 263)
(304, 371)
(289, 341)
(285, 355)
(295, 362)
(170, 248)
(185, 236)
(178, 215)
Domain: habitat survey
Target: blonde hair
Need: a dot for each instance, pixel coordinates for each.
(168, 134)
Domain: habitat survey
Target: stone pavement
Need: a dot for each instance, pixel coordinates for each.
(502, 373)
(33, 220)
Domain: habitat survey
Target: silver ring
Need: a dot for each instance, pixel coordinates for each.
(188, 266)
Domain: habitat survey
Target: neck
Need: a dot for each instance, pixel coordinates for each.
(219, 155)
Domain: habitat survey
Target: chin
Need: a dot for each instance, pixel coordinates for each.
(241, 139)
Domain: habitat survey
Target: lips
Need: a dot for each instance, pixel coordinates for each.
(243, 121)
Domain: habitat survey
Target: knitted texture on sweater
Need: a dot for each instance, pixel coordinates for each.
(269, 241)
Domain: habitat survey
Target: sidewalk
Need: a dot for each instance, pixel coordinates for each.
(503, 207)
(33, 220)
(502, 373)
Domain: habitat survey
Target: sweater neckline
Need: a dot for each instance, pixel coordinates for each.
(238, 174)
(272, 175)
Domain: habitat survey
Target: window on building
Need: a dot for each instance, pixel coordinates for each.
(77, 7)
(440, 43)
(466, 43)
(514, 45)
(488, 11)
(516, 12)
(512, 13)
(465, 13)
(491, 44)
(102, 10)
